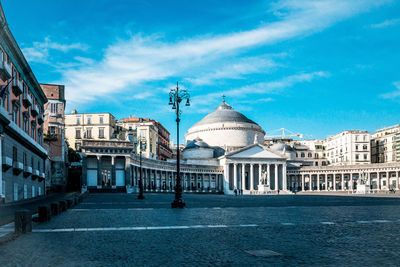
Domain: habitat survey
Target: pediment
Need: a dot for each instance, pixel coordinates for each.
(254, 151)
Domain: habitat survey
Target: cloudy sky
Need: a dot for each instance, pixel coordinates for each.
(313, 67)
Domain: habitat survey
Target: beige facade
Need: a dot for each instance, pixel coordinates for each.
(311, 152)
(144, 130)
(349, 148)
(384, 145)
(92, 126)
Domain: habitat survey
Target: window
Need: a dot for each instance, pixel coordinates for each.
(15, 113)
(101, 132)
(310, 155)
(365, 156)
(15, 192)
(302, 155)
(52, 129)
(25, 191)
(316, 163)
(25, 159)
(32, 163)
(38, 165)
(15, 154)
(316, 155)
(78, 120)
(101, 120)
(33, 191)
(25, 124)
(33, 130)
(365, 147)
(78, 133)
(357, 156)
(53, 108)
(356, 147)
(89, 120)
(3, 188)
(89, 133)
(143, 134)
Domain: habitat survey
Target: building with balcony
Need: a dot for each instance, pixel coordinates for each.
(91, 126)
(22, 156)
(152, 133)
(384, 145)
(349, 148)
(54, 136)
(310, 152)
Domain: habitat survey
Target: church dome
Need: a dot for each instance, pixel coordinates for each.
(197, 143)
(224, 113)
(226, 128)
(281, 147)
(197, 149)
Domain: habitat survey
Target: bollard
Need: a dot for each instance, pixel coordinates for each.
(63, 205)
(44, 213)
(23, 221)
(55, 208)
(69, 203)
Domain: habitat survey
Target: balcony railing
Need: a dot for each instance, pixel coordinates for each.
(7, 162)
(35, 110)
(27, 171)
(5, 71)
(40, 119)
(27, 100)
(18, 166)
(17, 87)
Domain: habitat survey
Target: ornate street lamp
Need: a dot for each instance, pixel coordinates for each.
(176, 96)
(136, 142)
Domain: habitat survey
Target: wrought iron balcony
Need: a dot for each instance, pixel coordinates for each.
(5, 71)
(35, 110)
(17, 87)
(40, 119)
(27, 100)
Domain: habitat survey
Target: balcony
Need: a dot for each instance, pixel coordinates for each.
(17, 87)
(35, 174)
(18, 167)
(7, 162)
(5, 71)
(40, 119)
(42, 176)
(27, 100)
(27, 171)
(35, 110)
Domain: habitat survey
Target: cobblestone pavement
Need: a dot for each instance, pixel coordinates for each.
(118, 229)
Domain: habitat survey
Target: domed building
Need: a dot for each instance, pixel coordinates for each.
(224, 121)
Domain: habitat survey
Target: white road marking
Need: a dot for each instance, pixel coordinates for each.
(172, 227)
(327, 223)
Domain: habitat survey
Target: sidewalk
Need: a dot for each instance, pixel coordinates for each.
(7, 210)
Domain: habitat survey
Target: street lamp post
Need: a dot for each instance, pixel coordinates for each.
(140, 196)
(176, 96)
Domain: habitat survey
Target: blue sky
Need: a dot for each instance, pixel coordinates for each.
(314, 67)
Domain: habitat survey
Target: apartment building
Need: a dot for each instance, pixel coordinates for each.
(54, 136)
(384, 145)
(91, 126)
(310, 152)
(152, 133)
(349, 148)
(22, 156)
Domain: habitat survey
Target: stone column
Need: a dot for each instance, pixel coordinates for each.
(397, 180)
(235, 185)
(196, 181)
(318, 185)
(284, 177)
(242, 184)
(342, 181)
(351, 181)
(334, 182)
(202, 182)
(310, 183)
(302, 182)
(326, 182)
(259, 174)
(269, 176)
(276, 178)
(113, 178)
(387, 180)
(251, 177)
(99, 177)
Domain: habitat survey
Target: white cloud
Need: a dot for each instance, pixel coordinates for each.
(141, 59)
(392, 95)
(259, 90)
(386, 23)
(40, 51)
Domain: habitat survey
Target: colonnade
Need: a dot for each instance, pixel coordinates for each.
(343, 180)
(164, 180)
(247, 177)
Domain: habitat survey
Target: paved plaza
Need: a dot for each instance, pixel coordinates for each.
(117, 229)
